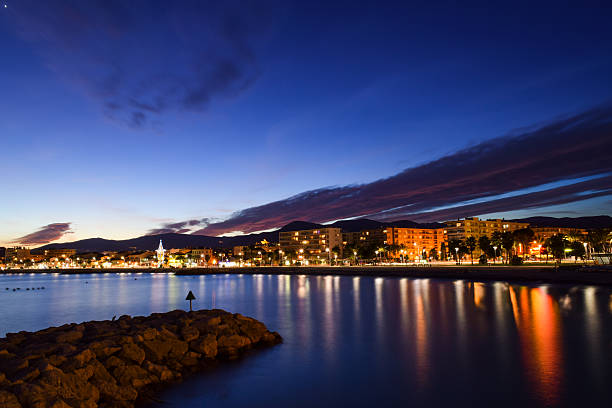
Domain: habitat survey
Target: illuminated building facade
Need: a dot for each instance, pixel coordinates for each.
(543, 233)
(311, 244)
(416, 243)
(59, 253)
(475, 227)
(16, 254)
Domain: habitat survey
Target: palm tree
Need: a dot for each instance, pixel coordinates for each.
(470, 244)
(556, 244)
(507, 242)
(433, 254)
(524, 236)
(597, 239)
(484, 243)
(453, 246)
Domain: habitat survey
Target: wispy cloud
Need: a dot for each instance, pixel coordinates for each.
(182, 227)
(570, 148)
(140, 59)
(46, 234)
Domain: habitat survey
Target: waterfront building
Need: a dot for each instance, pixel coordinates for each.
(351, 238)
(59, 253)
(543, 233)
(201, 256)
(475, 227)
(311, 245)
(415, 243)
(16, 254)
(239, 250)
(365, 237)
(141, 259)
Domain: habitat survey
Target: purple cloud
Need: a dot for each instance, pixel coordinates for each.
(182, 227)
(579, 146)
(45, 235)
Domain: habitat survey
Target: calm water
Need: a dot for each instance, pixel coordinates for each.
(363, 341)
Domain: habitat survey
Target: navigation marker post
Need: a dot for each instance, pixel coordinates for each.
(190, 297)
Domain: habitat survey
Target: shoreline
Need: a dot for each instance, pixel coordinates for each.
(121, 362)
(565, 274)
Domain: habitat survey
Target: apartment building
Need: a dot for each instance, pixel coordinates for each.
(475, 227)
(416, 243)
(311, 243)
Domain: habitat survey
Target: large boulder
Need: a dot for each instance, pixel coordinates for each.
(206, 345)
(131, 352)
(133, 375)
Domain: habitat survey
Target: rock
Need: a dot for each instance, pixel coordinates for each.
(25, 374)
(150, 333)
(8, 400)
(233, 341)
(69, 337)
(59, 403)
(206, 345)
(133, 375)
(161, 371)
(113, 362)
(190, 359)
(189, 333)
(157, 350)
(167, 333)
(31, 395)
(85, 373)
(4, 383)
(56, 360)
(68, 386)
(11, 364)
(111, 392)
(104, 348)
(132, 352)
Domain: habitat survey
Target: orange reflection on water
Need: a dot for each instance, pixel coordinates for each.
(422, 352)
(539, 328)
(479, 292)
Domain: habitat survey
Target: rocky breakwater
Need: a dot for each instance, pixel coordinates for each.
(117, 363)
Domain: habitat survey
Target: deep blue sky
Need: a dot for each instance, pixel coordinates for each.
(123, 117)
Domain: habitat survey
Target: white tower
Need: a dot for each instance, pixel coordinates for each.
(160, 254)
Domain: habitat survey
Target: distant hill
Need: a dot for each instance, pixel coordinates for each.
(150, 242)
(598, 221)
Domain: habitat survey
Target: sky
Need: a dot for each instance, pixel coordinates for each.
(119, 119)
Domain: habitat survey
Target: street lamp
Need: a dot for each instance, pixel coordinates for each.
(355, 253)
(586, 254)
(328, 255)
(457, 255)
(494, 254)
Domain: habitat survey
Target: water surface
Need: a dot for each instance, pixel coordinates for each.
(362, 341)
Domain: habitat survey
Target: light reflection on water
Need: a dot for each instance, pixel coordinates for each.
(362, 341)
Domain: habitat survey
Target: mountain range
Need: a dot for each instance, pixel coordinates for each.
(173, 240)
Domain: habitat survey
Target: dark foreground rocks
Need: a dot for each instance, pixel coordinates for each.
(116, 363)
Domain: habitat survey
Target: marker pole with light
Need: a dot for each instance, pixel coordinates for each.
(190, 297)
